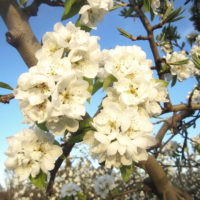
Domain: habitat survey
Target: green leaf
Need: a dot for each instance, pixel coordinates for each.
(129, 12)
(180, 62)
(173, 15)
(174, 79)
(85, 123)
(109, 81)
(163, 82)
(22, 2)
(164, 68)
(90, 82)
(152, 14)
(5, 86)
(83, 27)
(39, 180)
(81, 196)
(126, 172)
(97, 85)
(84, 127)
(123, 32)
(196, 60)
(71, 8)
(77, 138)
(42, 126)
(147, 5)
(197, 148)
(168, 11)
(55, 142)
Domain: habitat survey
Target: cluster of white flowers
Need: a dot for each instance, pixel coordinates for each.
(54, 91)
(70, 189)
(123, 125)
(196, 48)
(103, 185)
(94, 12)
(182, 71)
(30, 151)
(195, 96)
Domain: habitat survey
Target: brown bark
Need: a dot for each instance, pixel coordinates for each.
(164, 189)
(171, 123)
(19, 33)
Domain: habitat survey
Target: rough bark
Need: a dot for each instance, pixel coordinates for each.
(164, 189)
(19, 33)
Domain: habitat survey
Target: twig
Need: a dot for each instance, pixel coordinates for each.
(32, 10)
(66, 151)
(169, 124)
(162, 22)
(6, 98)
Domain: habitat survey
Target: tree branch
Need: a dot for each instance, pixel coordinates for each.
(171, 123)
(66, 151)
(6, 98)
(181, 107)
(160, 182)
(32, 10)
(19, 33)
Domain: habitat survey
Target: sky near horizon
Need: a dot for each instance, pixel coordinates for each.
(12, 65)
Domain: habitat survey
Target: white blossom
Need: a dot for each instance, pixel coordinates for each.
(103, 185)
(30, 151)
(127, 62)
(196, 140)
(182, 71)
(70, 189)
(93, 12)
(69, 96)
(120, 137)
(195, 96)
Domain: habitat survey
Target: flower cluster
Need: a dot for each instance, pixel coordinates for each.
(195, 96)
(94, 11)
(31, 151)
(123, 125)
(104, 184)
(70, 189)
(196, 48)
(180, 65)
(55, 90)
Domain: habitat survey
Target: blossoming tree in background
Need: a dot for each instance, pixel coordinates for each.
(69, 68)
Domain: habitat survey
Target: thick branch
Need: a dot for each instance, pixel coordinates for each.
(181, 107)
(19, 33)
(164, 189)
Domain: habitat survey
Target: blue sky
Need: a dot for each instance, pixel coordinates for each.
(12, 65)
